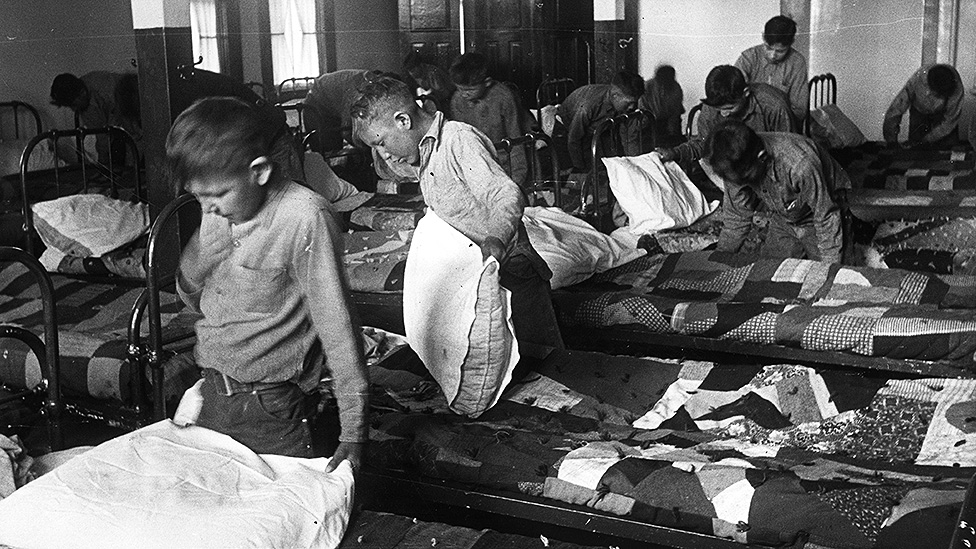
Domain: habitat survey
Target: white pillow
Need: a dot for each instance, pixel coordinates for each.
(654, 195)
(168, 486)
(458, 317)
(572, 248)
(85, 225)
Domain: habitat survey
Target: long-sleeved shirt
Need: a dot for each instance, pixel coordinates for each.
(788, 76)
(798, 186)
(582, 111)
(280, 291)
(498, 115)
(103, 109)
(767, 111)
(666, 103)
(327, 104)
(464, 184)
(930, 118)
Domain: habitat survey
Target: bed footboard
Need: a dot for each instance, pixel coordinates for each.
(46, 350)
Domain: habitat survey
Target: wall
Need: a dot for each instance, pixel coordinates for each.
(368, 35)
(695, 35)
(40, 39)
(872, 48)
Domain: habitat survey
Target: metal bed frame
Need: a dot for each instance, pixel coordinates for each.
(18, 107)
(539, 179)
(85, 169)
(823, 91)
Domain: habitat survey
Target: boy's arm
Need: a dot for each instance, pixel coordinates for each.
(577, 131)
(514, 127)
(200, 257)
(950, 118)
(809, 179)
(321, 279)
(498, 200)
(892, 118)
(737, 215)
(799, 92)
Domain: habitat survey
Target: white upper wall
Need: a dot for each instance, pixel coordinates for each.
(872, 48)
(695, 35)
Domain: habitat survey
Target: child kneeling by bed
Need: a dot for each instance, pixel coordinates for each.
(264, 271)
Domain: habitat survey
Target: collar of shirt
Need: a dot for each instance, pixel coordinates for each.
(430, 139)
(263, 218)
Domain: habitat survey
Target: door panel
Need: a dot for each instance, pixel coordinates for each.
(431, 27)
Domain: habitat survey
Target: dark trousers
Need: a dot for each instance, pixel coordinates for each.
(533, 316)
(279, 419)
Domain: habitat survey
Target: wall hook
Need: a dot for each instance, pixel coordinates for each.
(624, 42)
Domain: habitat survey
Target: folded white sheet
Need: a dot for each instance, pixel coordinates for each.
(168, 486)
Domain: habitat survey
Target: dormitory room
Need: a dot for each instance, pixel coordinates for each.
(479, 274)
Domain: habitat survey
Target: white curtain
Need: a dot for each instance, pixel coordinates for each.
(203, 29)
(294, 46)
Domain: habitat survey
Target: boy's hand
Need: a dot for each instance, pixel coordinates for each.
(352, 451)
(202, 254)
(666, 154)
(492, 247)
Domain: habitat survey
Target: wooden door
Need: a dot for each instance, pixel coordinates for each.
(432, 27)
(528, 41)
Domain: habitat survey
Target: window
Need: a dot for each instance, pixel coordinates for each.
(294, 43)
(203, 30)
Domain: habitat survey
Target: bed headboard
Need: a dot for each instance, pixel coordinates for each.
(55, 176)
(823, 91)
(543, 163)
(19, 120)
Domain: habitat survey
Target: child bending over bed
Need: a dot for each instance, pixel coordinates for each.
(462, 182)
(264, 271)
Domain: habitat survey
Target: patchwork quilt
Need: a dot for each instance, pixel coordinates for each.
(938, 245)
(93, 323)
(389, 212)
(807, 304)
(874, 165)
(767, 455)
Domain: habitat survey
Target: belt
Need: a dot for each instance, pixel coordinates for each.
(232, 387)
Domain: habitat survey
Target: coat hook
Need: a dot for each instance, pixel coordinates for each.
(624, 42)
(133, 62)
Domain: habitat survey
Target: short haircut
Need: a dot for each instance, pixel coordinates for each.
(65, 89)
(469, 69)
(733, 150)
(630, 83)
(215, 135)
(780, 30)
(724, 85)
(664, 74)
(412, 60)
(942, 80)
(381, 96)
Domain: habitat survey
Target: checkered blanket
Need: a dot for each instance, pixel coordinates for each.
(874, 165)
(807, 304)
(767, 455)
(93, 322)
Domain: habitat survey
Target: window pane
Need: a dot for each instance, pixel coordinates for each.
(294, 45)
(203, 30)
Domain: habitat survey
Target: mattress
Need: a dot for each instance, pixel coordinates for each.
(767, 455)
(805, 304)
(93, 322)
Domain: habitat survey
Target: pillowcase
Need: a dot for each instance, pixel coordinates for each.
(572, 248)
(655, 195)
(85, 225)
(830, 125)
(458, 317)
(168, 486)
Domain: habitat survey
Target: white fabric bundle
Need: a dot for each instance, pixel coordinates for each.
(168, 486)
(457, 316)
(572, 248)
(655, 195)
